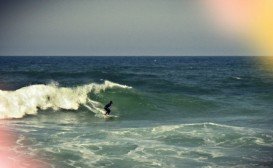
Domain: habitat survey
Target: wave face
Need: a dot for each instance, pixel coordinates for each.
(28, 100)
(165, 88)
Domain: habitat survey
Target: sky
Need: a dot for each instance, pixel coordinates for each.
(111, 27)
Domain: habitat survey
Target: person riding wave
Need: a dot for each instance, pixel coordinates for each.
(107, 108)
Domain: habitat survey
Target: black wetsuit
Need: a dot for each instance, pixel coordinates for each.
(107, 109)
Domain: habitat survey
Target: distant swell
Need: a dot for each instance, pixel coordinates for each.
(28, 100)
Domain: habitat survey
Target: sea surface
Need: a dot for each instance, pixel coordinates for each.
(167, 111)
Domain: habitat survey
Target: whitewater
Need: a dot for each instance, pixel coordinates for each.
(30, 99)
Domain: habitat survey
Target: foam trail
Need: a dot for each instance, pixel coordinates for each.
(28, 100)
(95, 107)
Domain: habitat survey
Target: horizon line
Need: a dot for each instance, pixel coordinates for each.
(135, 56)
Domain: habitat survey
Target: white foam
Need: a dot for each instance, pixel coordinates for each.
(28, 100)
(238, 78)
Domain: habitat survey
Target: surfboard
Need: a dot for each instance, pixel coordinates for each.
(110, 116)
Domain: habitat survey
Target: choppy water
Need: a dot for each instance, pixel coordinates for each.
(172, 111)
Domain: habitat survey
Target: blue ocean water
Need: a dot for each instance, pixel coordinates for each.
(169, 111)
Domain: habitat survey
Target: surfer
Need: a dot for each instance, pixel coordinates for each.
(107, 108)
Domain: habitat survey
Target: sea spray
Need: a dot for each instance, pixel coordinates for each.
(28, 100)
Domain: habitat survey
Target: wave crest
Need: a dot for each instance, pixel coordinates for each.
(28, 100)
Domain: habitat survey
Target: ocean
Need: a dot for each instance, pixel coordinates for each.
(168, 111)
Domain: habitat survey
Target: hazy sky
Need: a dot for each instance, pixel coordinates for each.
(109, 27)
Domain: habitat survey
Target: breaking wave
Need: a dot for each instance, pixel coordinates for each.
(28, 100)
